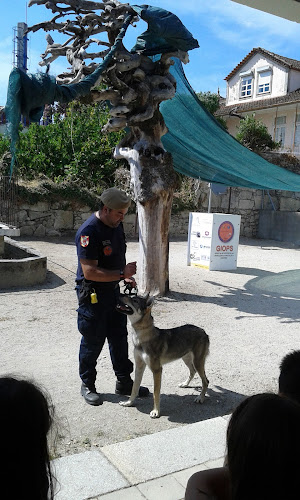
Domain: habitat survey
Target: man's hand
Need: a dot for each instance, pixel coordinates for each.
(129, 270)
(131, 282)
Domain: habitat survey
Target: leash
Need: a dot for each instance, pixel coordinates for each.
(129, 291)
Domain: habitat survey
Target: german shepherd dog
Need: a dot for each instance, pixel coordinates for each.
(155, 347)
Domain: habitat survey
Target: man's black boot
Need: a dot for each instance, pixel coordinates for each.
(90, 395)
(123, 388)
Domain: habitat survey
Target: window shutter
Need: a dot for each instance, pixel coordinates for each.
(264, 82)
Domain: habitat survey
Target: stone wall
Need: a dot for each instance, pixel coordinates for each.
(237, 201)
(248, 203)
(280, 226)
(50, 219)
(47, 219)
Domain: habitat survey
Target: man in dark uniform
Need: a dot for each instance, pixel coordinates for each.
(101, 249)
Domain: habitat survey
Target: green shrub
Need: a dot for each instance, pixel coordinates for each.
(71, 148)
(254, 135)
(4, 145)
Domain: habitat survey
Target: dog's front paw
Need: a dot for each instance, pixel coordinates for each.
(126, 403)
(154, 414)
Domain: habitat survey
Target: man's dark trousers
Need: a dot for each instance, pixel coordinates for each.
(96, 322)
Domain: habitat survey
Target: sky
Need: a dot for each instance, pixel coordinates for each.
(226, 33)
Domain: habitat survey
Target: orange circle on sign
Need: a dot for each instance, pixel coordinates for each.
(107, 251)
(226, 231)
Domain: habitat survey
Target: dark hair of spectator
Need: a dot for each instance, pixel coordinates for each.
(263, 442)
(25, 419)
(289, 377)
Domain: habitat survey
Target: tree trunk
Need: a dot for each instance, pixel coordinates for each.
(153, 180)
(154, 195)
(153, 263)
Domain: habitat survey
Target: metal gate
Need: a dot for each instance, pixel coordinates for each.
(8, 194)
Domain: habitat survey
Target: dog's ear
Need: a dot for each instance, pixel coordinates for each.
(149, 300)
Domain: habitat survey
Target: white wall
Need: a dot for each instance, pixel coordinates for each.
(294, 80)
(279, 80)
(268, 117)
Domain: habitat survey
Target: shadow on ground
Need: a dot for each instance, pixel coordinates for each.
(182, 409)
(52, 281)
(267, 295)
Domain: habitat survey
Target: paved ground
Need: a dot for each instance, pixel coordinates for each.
(117, 471)
(251, 314)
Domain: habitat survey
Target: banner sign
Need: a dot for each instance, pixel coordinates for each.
(213, 240)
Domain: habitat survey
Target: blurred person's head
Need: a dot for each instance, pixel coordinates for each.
(26, 417)
(289, 377)
(263, 442)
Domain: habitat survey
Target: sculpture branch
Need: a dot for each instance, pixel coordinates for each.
(135, 86)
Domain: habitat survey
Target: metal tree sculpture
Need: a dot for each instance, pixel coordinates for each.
(135, 85)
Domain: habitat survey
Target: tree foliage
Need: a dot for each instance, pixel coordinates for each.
(211, 102)
(254, 135)
(72, 147)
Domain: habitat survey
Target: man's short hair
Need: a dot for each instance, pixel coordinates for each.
(289, 377)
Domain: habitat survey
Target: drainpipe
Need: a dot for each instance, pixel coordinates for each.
(275, 123)
(293, 143)
(209, 199)
(229, 200)
(273, 206)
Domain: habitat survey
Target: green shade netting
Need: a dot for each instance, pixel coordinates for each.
(202, 148)
(165, 32)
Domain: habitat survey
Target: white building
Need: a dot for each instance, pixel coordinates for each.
(266, 85)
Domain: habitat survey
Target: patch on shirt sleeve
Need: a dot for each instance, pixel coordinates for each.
(84, 241)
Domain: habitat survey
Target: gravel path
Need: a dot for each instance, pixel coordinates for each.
(252, 315)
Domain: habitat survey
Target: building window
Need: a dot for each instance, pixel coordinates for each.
(246, 86)
(297, 133)
(280, 130)
(264, 82)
